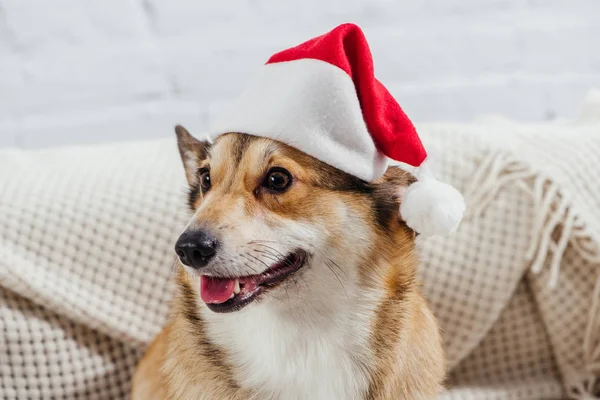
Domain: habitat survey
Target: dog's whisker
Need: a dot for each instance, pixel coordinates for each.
(175, 265)
(251, 262)
(338, 267)
(275, 256)
(262, 241)
(267, 254)
(259, 260)
(287, 293)
(337, 277)
(269, 247)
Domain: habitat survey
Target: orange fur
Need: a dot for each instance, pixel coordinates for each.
(405, 358)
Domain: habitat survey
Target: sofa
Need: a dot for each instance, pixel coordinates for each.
(86, 261)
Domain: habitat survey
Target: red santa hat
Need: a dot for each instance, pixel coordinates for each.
(322, 97)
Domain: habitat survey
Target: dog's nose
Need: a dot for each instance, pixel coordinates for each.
(196, 248)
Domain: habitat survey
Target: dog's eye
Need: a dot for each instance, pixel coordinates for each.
(277, 180)
(204, 179)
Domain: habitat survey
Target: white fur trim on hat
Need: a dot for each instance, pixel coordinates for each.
(311, 105)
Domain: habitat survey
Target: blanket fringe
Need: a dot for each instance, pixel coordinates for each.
(555, 226)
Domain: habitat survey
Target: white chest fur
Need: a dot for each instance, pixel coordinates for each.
(308, 353)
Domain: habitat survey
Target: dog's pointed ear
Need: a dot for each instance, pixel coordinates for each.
(192, 152)
(392, 186)
(397, 179)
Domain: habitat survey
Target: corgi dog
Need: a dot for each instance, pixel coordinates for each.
(295, 281)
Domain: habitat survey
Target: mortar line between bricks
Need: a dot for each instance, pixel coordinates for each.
(150, 17)
(6, 31)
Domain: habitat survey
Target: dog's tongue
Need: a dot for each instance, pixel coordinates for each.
(216, 290)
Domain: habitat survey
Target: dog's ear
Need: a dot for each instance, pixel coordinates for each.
(192, 152)
(390, 189)
(397, 179)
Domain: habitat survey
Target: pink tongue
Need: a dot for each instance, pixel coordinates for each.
(216, 290)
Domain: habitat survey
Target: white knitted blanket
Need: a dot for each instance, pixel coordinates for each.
(86, 258)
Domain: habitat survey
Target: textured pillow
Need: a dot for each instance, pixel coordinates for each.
(85, 259)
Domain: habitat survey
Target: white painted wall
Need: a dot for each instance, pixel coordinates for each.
(84, 71)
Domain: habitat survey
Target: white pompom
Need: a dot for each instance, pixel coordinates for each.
(431, 207)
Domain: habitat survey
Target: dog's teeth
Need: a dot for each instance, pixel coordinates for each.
(236, 288)
(232, 295)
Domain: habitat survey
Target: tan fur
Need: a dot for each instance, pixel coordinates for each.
(148, 383)
(408, 361)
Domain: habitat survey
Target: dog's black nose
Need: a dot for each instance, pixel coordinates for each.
(196, 248)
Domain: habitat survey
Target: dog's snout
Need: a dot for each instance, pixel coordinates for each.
(196, 248)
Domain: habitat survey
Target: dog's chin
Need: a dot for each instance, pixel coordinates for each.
(230, 294)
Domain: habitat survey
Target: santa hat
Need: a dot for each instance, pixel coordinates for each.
(322, 97)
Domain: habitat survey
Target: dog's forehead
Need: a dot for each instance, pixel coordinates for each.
(235, 154)
(235, 147)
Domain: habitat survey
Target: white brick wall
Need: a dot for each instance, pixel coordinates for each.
(83, 71)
